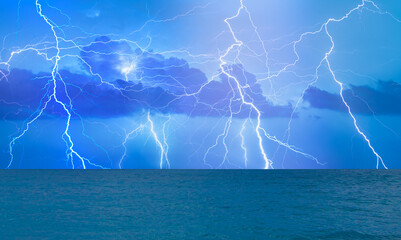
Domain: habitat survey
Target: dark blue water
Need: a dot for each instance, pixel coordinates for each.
(182, 204)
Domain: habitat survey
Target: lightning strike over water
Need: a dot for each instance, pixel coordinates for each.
(214, 86)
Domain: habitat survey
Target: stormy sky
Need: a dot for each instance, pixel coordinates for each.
(207, 84)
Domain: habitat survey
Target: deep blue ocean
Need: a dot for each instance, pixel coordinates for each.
(200, 204)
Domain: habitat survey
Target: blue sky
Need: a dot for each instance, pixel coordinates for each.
(200, 84)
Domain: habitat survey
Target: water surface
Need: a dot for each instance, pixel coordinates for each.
(200, 204)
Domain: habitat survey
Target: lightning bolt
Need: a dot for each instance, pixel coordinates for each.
(163, 152)
(259, 130)
(127, 136)
(324, 27)
(56, 88)
(70, 152)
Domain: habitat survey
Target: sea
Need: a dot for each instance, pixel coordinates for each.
(200, 204)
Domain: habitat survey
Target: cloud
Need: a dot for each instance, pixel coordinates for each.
(168, 85)
(215, 97)
(21, 93)
(383, 100)
(92, 99)
(106, 57)
(172, 74)
(321, 99)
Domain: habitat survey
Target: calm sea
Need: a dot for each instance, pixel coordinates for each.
(200, 204)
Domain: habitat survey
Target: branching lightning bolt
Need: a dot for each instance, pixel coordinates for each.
(56, 89)
(70, 152)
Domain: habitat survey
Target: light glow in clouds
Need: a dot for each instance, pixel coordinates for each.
(208, 84)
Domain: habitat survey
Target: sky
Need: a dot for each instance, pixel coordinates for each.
(200, 84)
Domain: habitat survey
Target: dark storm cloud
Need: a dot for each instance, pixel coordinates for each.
(383, 100)
(104, 56)
(215, 97)
(21, 95)
(172, 73)
(168, 85)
